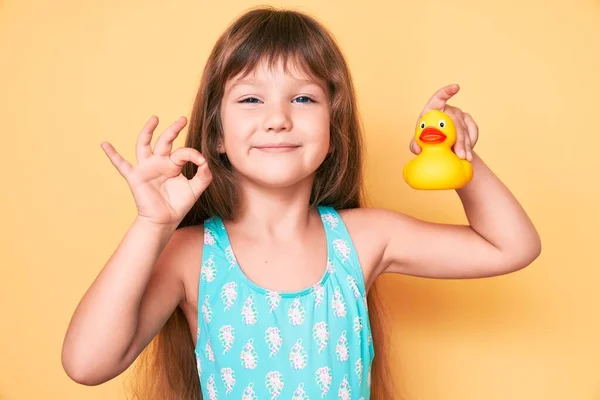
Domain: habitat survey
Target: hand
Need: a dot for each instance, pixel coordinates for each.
(162, 194)
(467, 131)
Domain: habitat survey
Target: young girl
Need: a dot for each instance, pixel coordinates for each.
(262, 291)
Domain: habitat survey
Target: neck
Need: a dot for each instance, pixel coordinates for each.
(274, 212)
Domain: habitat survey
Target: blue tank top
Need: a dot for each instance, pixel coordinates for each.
(255, 343)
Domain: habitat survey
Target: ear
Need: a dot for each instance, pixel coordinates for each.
(221, 148)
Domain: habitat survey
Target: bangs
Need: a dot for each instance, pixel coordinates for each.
(277, 38)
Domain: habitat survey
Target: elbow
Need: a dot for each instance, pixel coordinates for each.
(534, 250)
(526, 255)
(80, 374)
(81, 370)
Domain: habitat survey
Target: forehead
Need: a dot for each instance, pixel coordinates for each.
(265, 72)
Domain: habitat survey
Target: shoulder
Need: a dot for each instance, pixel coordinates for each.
(183, 256)
(185, 244)
(368, 228)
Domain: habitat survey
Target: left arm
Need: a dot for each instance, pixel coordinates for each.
(499, 239)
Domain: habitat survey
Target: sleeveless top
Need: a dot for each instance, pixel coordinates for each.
(254, 343)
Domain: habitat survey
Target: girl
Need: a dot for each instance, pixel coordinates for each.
(251, 253)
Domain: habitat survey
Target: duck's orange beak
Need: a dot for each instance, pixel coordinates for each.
(431, 135)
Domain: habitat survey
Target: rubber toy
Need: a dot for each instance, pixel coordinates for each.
(437, 167)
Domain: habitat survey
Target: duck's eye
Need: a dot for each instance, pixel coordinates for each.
(442, 123)
(422, 125)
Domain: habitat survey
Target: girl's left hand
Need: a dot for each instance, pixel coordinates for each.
(467, 131)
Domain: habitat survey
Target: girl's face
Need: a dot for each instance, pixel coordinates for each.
(275, 125)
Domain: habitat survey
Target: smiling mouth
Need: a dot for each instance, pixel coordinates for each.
(277, 148)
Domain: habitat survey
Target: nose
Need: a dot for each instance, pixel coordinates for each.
(278, 119)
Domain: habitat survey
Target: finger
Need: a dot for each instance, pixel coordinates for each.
(122, 165)
(142, 148)
(201, 180)
(440, 98)
(203, 176)
(466, 142)
(164, 143)
(184, 154)
(414, 147)
(468, 148)
(472, 128)
(459, 145)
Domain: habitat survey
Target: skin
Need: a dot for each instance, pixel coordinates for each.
(278, 241)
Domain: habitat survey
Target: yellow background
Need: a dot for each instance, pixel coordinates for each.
(73, 74)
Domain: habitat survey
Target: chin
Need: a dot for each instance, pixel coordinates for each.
(279, 180)
(276, 178)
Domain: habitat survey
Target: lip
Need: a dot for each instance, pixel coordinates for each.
(431, 135)
(277, 147)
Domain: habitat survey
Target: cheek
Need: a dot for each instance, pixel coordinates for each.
(315, 128)
(236, 129)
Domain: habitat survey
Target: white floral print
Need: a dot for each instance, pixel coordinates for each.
(206, 310)
(211, 387)
(209, 237)
(296, 313)
(353, 287)
(344, 391)
(342, 347)
(210, 354)
(321, 335)
(338, 303)
(209, 269)
(298, 356)
(248, 355)
(331, 220)
(226, 337)
(273, 339)
(230, 256)
(358, 368)
(229, 294)
(357, 325)
(273, 298)
(318, 292)
(228, 378)
(342, 249)
(249, 312)
(300, 393)
(274, 382)
(249, 392)
(323, 377)
(330, 267)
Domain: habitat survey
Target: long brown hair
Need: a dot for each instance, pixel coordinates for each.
(167, 367)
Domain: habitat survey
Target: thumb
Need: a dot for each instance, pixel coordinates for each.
(203, 176)
(201, 180)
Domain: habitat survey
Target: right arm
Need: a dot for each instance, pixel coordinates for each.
(142, 283)
(128, 303)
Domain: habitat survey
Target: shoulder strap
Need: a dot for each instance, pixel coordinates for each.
(340, 243)
(217, 259)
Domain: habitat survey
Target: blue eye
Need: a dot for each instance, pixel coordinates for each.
(303, 99)
(250, 100)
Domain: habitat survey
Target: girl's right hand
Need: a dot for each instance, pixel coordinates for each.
(162, 194)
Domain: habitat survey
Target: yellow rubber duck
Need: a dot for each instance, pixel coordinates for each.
(437, 167)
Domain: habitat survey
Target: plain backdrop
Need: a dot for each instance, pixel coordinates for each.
(75, 73)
